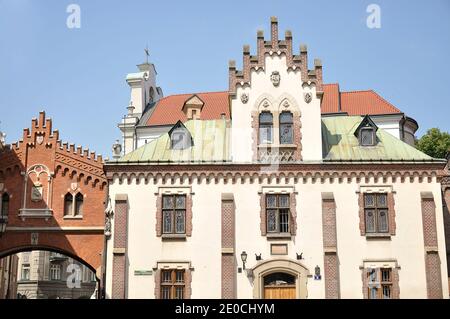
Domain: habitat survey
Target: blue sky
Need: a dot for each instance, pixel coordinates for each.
(78, 75)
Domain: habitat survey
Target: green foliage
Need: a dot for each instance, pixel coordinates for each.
(435, 143)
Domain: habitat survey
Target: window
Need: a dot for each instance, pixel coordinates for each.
(379, 283)
(367, 137)
(179, 139)
(25, 273)
(376, 213)
(286, 128)
(73, 205)
(55, 272)
(78, 204)
(277, 213)
(265, 128)
(174, 214)
(172, 284)
(5, 205)
(68, 202)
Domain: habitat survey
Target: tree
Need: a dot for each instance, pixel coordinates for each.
(434, 143)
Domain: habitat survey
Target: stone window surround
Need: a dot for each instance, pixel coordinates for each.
(381, 263)
(292, 210)
(284, 265)
(367, 189)
(174, 190)
(172, 265)
(285, 103)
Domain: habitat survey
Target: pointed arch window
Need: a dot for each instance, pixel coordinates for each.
(78, 204)
(286, 128)
(5, 205)
(73, 205)
(265, 128)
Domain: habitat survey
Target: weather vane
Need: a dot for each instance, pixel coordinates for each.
(147, 54)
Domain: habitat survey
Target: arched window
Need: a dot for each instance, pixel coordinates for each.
(265, 128)
(68, 204)
(5, 205)
(151, 94)
(286, 128)
(78, 204)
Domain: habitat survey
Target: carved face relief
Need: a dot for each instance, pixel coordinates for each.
(39, 139)
(73, 186)
(308, 97)
(244, 98)
(275, 78)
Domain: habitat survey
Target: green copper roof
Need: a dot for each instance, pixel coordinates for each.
(210, 144)
(340, 143)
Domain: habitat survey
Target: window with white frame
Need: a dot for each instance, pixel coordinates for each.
(286, 128)
(55, 272)
(265, 128)
(25, 272)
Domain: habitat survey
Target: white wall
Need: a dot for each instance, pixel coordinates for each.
(203, 249)
(290, 85)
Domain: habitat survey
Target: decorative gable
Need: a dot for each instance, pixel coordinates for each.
(192, 107)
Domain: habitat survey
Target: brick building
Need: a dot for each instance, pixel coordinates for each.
(280, 187)
(53, 197)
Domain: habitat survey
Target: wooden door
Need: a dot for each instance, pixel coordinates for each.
(279, 292)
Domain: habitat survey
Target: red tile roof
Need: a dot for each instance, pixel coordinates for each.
(170, 109)
(355, 102)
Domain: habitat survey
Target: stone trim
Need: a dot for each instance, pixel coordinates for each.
(187, 282)
(158, 215)
(391, 216)
(292, 219)
(304, 173)
(269, 266)
(432, 259)
(395, 292)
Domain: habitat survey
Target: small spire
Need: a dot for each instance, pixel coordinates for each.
(147, 54)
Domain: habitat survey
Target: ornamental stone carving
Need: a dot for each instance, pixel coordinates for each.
(275, 78)
(308, 97)
(244, 98)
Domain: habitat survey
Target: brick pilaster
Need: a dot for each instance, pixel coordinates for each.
(228, 247)
(331, 263)
(432, 260)
(120, 247)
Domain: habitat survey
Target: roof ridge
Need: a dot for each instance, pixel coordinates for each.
(194, 93)
(358, 91)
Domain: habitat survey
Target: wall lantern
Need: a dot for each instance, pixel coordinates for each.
(243, 258)
(317, 275)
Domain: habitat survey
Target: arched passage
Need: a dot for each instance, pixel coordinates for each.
(41, 272)
(267, 273)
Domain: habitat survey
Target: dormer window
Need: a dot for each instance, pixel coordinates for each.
(180, 138)
(192, 107)
(366, 132)
(367, 137)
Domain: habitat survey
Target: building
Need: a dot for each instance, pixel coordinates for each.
(50, 275)
(280, 187)
(52, 197)
(8, 277)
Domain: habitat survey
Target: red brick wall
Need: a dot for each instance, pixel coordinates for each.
(41, 145)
